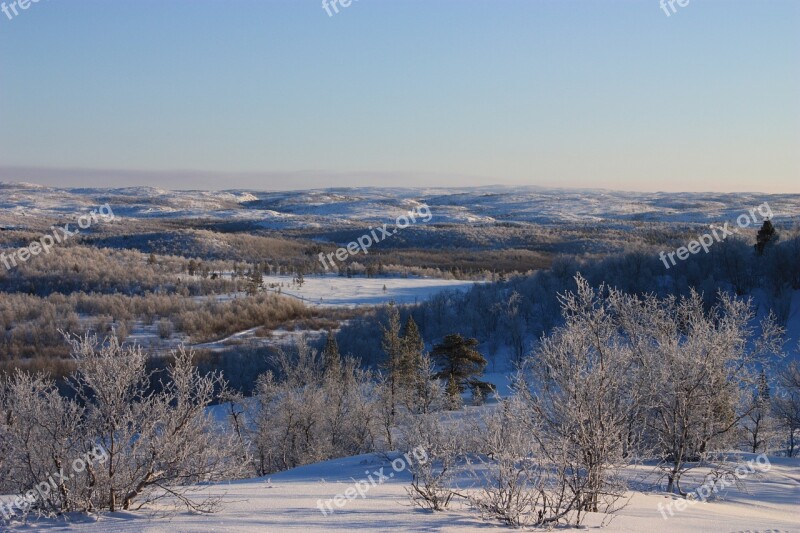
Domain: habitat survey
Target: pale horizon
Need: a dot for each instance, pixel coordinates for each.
(188, 180)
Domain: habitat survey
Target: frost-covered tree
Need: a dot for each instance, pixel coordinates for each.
(639, 376)
(158, 443)
(695, 372)
(703, 367)
(523, 483)
(786, 407)
(41, 432)
(580, 392)
(123, 443)
(512, 488)
(303, 414)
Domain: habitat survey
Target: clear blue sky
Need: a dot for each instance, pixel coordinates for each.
(277, 94)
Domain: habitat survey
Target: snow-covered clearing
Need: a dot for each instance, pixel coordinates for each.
(330, 291)
(338, 291)
(289, 502)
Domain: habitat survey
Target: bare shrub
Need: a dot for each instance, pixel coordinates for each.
(164, 328)
(158, 443)
(155, 445)
(432, 477)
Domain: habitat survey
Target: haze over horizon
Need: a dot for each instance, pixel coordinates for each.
(300, 181)
(280, 96)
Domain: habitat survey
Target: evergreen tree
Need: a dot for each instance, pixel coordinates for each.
(255, 282)
(453, 391)
(766, 235)
(460, 361)
(428, 388)
(331, 357)
(393, 347)
(413, 346)
(415, 369)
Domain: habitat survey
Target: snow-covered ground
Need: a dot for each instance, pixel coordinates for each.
(338, 291)
(290, 502)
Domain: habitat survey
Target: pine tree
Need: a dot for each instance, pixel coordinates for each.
(765, 235)
(460, 361)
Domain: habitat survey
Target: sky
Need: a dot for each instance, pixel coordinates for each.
(276, 95)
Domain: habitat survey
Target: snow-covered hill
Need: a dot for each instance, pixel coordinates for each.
(339, 206)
